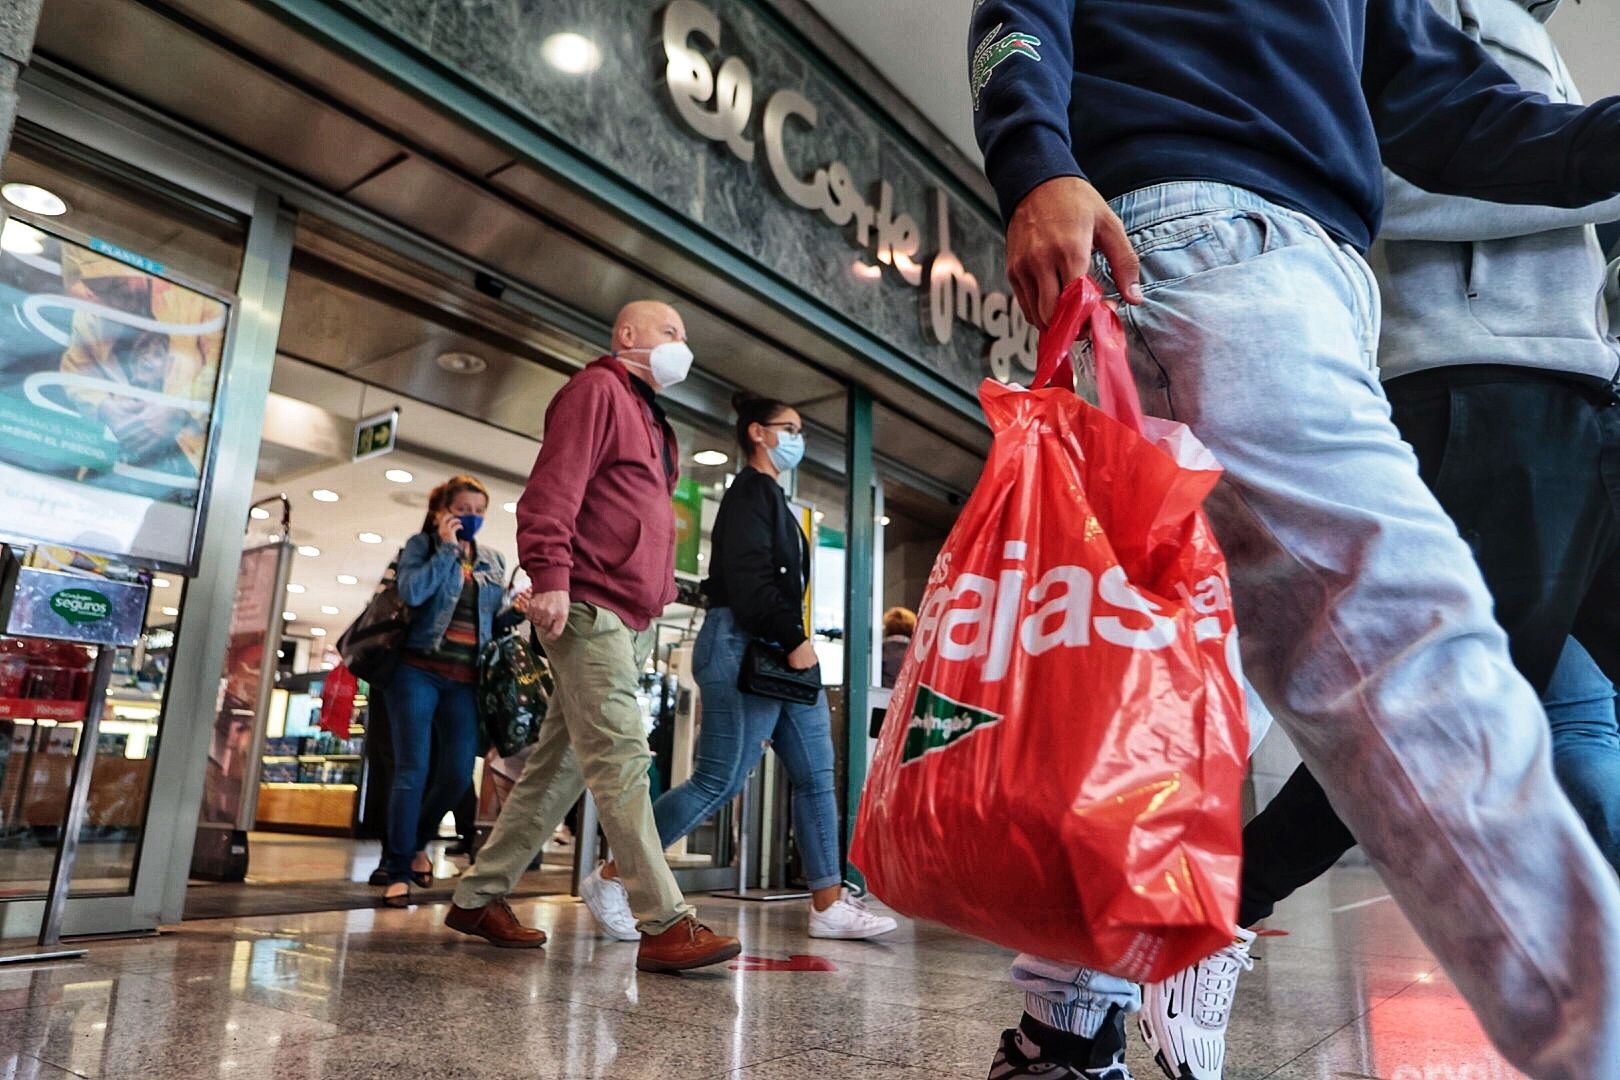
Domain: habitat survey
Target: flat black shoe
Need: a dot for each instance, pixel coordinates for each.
(379, 877)
(402, 900)
(422, 878)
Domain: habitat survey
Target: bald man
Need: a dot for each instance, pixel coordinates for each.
(596, 533)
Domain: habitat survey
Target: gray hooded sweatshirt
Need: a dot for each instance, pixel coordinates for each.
(1472, 282)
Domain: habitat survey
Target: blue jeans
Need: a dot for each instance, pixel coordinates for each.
(1367, 628)
(1586, 744)
(731, 739)
(424, 707)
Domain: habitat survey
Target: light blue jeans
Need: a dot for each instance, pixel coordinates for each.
(731, 740)
(1586, 744)
(1366, 627)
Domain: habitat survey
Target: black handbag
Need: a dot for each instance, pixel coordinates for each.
(370, 647)
(514, 693)
(765, 672)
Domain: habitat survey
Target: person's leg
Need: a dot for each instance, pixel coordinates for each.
(413, 698)
(597, 661)
(803, 740)
(1293, 841)
(732, 728)
(1367, 628)
(544, 794)
(1586, 744)
(455, 730)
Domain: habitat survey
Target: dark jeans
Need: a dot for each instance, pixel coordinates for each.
(1528, 466)
(424, 709)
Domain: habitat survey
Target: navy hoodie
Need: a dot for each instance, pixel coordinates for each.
(1294, 99)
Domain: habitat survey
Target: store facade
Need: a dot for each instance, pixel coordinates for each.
(538, 164)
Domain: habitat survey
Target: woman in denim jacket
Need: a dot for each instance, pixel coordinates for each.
(455, 591)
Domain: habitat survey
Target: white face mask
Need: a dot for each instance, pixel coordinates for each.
(668, 363)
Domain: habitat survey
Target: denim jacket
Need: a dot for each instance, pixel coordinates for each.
(429, 582)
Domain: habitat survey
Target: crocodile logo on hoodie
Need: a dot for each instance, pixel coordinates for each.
(995, 50)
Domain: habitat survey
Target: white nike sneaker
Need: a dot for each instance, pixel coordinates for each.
(1184, 1017)
(848, 919)
(610, 904)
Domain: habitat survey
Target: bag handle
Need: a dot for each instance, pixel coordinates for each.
(1081, 305)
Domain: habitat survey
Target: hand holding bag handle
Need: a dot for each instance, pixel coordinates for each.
(1082, 304)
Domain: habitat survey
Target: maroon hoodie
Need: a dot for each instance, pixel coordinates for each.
(595, 519)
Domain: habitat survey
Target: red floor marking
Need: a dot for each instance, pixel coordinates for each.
(792, 963)
(1271, 933)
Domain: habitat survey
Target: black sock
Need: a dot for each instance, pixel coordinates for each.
(1055, 1045)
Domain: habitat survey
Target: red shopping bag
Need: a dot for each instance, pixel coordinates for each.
(337, 701)
(1061, 765)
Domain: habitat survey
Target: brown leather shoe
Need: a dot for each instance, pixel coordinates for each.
(495, 923)
(688, 944)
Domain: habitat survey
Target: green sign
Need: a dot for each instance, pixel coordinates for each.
(376, 436)
(80, 606)
(688, 503)
(937, 721)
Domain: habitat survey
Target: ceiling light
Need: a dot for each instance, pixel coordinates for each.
(329, 609)
(34, 199)
(258, 513)
(295, 588)
(309, 551)
(20, 239)
(162, 583)
(819, 516)
(510, 508)
(710, 457)
(324, 495)
(347, 579)
(171, 611)
(884, 520)
(369, 538)
(462, 363)
(571, 54)
(290, 616)
(399, 476)
(317, 631)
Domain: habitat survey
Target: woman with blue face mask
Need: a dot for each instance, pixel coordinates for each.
(454, 588)
(759, 567)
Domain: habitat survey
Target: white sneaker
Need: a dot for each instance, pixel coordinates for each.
(847, 919)
(610, 904)
(1184, 1017)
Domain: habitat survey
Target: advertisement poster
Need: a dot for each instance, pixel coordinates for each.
(108, 373)
(250, 659)
(688, 526)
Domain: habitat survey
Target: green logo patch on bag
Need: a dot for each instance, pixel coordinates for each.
(937, 721)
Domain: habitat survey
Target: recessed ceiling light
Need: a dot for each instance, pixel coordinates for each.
(294, 588)
(462, 363)
(510, 508)
(571, 54)
(884, 520)
(34, 199)
(290, 616)
(171, 611)
(317, 631)
(329, 609)
(710, 457)
(309, 551)
(162, 583)
(324, 495)
(369, 538)
(819, 516)
(347, 579)
(258, 513)
(20, 239)
(399, 476)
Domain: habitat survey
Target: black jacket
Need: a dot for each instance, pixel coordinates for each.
(757, 560)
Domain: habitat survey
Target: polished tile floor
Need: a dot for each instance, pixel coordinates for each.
(1342, 989)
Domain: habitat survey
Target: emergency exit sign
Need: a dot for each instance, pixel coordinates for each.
(375, 436)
